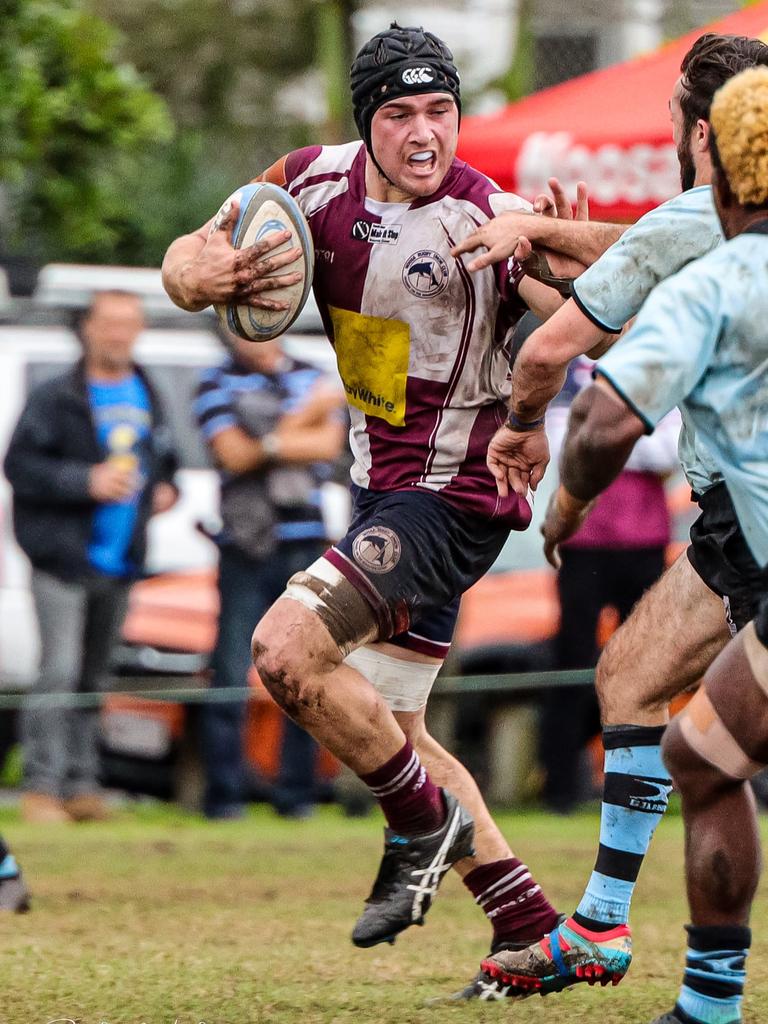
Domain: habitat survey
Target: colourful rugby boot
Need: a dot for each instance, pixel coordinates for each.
(568, 955)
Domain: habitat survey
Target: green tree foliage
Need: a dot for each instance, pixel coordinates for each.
(74, 127)
(216, 62)
(223, 68)
(519, 78)
(123, 125)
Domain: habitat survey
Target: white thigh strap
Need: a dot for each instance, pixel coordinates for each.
(404, 685)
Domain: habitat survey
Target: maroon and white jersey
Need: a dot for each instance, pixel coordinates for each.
(421, 344)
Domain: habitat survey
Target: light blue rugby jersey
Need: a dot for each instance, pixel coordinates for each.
(614, 288)
(701, 342)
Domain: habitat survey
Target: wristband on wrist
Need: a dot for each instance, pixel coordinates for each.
(520, 426)
(270, 446)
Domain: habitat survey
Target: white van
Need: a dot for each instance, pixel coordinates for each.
(36, 342)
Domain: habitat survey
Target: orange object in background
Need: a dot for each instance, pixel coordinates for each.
(174, 612)
(509, 607)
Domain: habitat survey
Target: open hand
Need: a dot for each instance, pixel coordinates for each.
(557, 204)
(500, 236)
(517, 459)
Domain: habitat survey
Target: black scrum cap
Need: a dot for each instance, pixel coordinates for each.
(399, 62)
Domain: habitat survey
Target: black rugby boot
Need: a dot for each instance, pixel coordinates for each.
(410, 873)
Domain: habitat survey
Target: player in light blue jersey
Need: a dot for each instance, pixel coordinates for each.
(701, 335)
(684, 610)
(699, 342)
(611, 292)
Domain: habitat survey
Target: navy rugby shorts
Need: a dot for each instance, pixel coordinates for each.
(761, 619)
(721, 557)
(412, 555)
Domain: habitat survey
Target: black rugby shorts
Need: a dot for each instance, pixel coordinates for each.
(761, 619)
(721, 557)
(412, 555)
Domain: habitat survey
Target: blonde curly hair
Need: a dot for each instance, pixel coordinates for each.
(739, 119)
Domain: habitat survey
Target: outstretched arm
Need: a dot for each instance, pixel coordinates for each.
(602, 431)
(539, 371)
(560, 230)
(518, 453)
(585, 241)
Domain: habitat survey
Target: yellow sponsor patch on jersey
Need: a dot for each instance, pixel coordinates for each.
(372, 354)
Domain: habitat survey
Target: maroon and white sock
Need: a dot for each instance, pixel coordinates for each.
(411, 802)
(512, 901)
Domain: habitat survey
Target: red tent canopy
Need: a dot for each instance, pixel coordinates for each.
(610, 128)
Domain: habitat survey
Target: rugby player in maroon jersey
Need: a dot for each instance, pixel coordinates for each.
(423, 347)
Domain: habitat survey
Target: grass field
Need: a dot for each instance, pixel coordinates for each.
(163, 919)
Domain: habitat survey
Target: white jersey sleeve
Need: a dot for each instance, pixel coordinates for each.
(658, 363)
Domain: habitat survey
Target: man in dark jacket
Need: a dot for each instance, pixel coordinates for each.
(89, 462)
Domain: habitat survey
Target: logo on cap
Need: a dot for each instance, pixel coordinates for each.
(417, 76)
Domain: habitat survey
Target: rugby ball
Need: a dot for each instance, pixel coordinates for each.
(265, 209)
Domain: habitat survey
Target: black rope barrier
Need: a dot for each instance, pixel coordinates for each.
(177, 689)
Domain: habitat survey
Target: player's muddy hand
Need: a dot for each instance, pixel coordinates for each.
(517, 460)
(500, 236)
(565, 514)
(523, 250)
(223, 274)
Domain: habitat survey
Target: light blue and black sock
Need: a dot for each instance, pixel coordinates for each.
(8, 867)
(713, 983)
(635, 797)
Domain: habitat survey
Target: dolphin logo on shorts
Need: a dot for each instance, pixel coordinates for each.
(377, 549)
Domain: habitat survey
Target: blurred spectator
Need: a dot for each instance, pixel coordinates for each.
(272, 425)
(89, 462)
(613, 559)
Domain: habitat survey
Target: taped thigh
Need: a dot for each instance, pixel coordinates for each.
(342, 609)
(757, 656)
(706, 734)
(404, 685)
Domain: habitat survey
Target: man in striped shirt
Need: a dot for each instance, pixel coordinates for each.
(272, 427)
